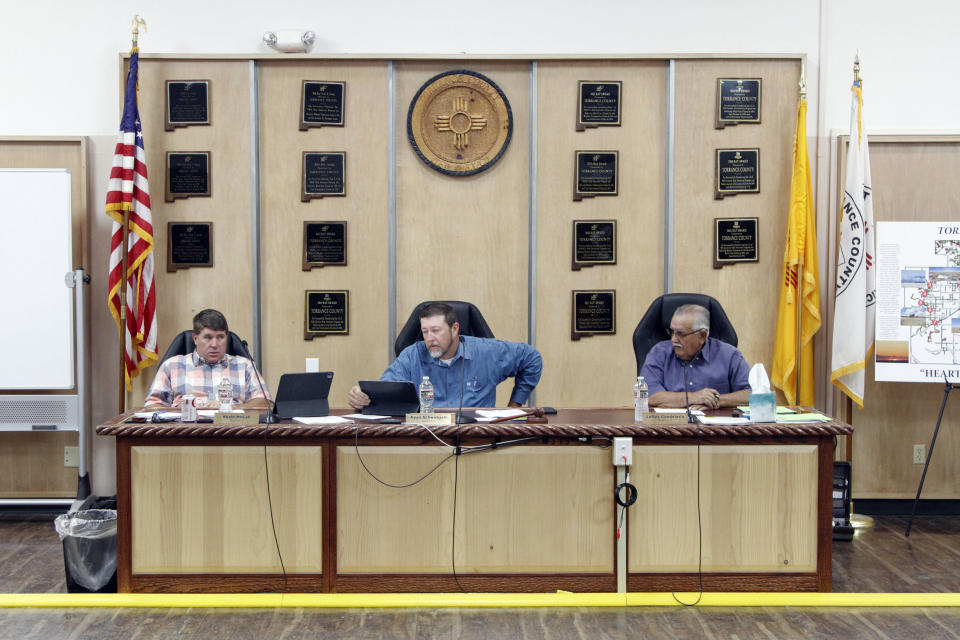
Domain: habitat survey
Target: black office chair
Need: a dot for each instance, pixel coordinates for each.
(471, 322)
(183, 344)
(656, 321)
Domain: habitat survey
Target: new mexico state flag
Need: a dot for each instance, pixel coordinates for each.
(799, 269)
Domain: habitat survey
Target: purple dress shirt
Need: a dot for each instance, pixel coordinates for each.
(719, 366)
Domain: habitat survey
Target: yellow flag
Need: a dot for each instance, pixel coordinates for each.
(799, 267)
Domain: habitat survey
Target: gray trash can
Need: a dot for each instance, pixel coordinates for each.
(89, 550)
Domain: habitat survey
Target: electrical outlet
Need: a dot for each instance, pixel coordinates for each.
(919, 454)
(71, 456)
(622, 452)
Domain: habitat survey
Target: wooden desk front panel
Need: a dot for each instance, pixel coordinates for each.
(758, 509)
(205, 509)
(521, 510)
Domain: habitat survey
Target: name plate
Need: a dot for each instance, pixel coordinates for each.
(224, 417)
(324, 244)
(596, 174)
(188, 174)
(738, 171)
(594, 312)
(598, 104)
(430, 419)
(734, 240)
(189, 244)
(653, 417)
(326, 313)
(324, 174)
(321, 104)
(738, 101)
(187, 103)
(594, 242)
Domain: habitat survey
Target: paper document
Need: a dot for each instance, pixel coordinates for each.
(364, 416)
(696, 412)
(323, 420)
(803, 417)
(780, 409)
(486, 415)
(161, 415)
(722, 420)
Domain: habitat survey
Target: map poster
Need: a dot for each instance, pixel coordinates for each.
(918, 302)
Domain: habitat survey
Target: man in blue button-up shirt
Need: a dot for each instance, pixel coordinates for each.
(447, 357)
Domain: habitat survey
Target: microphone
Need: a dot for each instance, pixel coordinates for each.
(269, 416)
(463, 374)
(686, 393)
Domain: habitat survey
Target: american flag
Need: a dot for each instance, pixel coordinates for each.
(128, 191)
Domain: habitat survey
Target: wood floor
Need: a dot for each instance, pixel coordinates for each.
(881, 560)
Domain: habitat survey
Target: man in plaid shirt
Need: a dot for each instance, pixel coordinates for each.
(200, 372)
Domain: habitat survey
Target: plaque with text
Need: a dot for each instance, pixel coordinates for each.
(326, 314)
(594, 313)
(738, 171)
(189, 244)
(321, 104)
(187, 103)
(324, 244)
(734, 240)
(596, 174)
(598, 104)
(738, 101)
(188, 174)
(594, 242)
(324, 174)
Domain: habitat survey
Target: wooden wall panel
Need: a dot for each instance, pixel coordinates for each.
(227, 285)
(749, 292)
(910, 178)
(362, 353)
(599, 370)
(466, 238)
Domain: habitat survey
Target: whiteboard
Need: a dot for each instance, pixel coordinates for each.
(36, 253)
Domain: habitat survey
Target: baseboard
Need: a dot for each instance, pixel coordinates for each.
(903, 507)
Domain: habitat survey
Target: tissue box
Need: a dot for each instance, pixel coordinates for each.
(763, 407)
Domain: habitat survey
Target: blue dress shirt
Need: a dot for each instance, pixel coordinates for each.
(718, 365)
(483, 362)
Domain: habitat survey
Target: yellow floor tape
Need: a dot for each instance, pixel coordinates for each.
(506, 600)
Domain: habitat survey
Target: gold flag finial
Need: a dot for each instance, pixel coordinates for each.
(803, 81)
(137, 23)
(856, 67)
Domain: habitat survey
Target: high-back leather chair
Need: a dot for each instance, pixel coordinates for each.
(471, 322)
(655, 323)
(183, 344)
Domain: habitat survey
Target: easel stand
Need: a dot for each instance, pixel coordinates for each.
(947, 388)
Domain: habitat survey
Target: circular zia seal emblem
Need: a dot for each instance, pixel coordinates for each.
(460, 123)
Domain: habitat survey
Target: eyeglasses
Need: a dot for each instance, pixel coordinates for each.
(679, 334)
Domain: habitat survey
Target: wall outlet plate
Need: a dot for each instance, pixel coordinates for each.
(919, 454)
(622, 452)
(71, 456)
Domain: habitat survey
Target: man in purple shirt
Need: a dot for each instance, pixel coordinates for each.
(715, 372)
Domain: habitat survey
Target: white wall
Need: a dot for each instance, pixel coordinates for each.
(60, 63)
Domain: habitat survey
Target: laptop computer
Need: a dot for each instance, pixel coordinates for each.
(303, 394)
(390, 398)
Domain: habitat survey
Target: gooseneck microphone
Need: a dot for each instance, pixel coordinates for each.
(269, 417)
(463, 375)
(686, 393)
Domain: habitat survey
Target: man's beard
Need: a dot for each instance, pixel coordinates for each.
(435, 352)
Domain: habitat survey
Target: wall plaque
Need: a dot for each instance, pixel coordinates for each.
(594, 312)
(596, 174)
(734, 240)
(738, 101)
(737, 171)
(598, 104)
(460, 123)
(594, 242)
(321, 104)
(189, 244)
(187, 103)
(326, 313)
(324, 244)
(188, 174)
(324, 174)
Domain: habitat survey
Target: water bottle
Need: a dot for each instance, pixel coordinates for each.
(426, 395)
(640, 402)
(225, 393)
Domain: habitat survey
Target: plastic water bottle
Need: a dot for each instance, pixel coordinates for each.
(640, 401)
(426, 395)
(225, 394)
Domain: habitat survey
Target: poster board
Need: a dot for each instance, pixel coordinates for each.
(37, 328)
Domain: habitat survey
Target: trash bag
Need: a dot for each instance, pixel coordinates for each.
(89, 548)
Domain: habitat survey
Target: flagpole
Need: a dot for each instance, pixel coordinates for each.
(799, 333)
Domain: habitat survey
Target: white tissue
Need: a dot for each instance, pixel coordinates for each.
(759, 382)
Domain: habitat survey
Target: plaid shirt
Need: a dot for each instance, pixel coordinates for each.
(190, 374)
